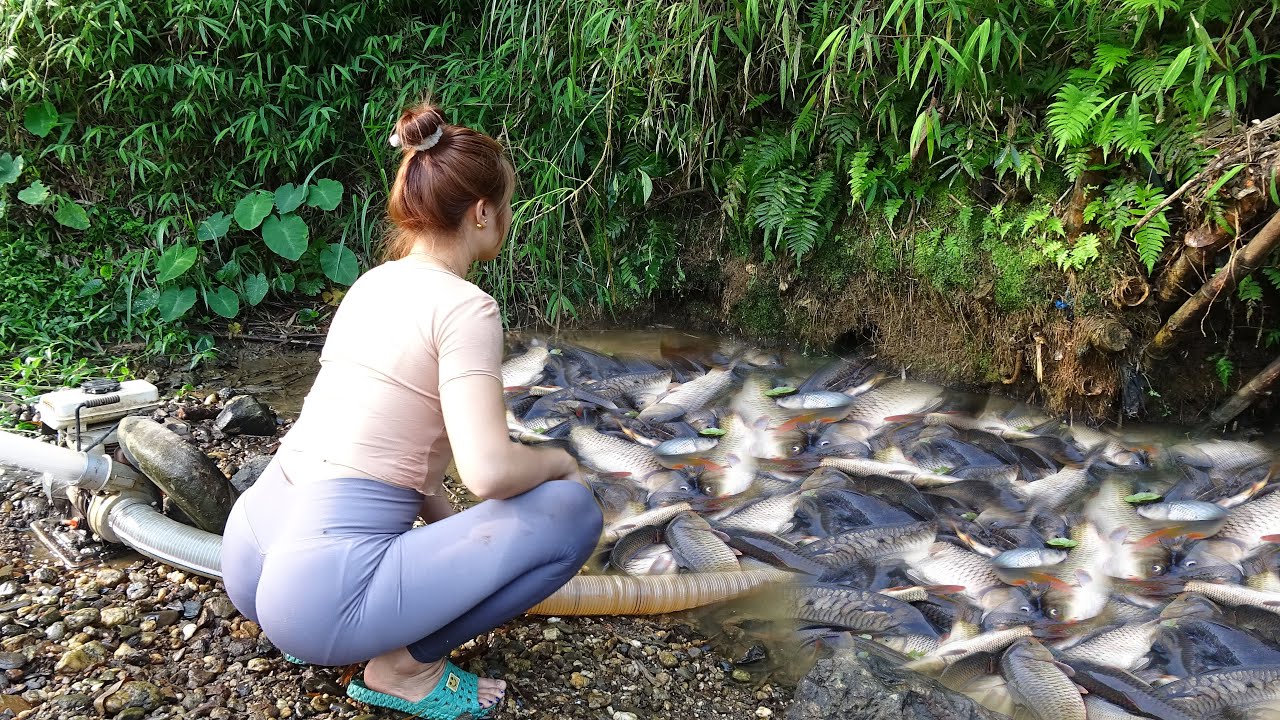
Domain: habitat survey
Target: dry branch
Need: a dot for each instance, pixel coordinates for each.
(1245, 396)
(1243, 262)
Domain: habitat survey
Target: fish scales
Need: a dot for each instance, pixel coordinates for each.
(890, 541)
(858, 610)
(1214, 693)
(1039, 684)
(698, 547)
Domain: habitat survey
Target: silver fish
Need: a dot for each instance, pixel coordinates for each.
(1039, 684)
(525, 369)
(689, 397)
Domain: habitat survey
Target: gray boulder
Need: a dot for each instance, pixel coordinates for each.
(248, 473)
(191, 480)
(245, 415)
(853, 684)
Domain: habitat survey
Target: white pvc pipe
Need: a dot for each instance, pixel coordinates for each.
(24, 452)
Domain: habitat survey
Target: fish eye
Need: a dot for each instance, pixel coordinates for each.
(1157, 568)
(1025, 609)
(823, 443)
(1054, 613)
(797, 449)
(1189, 563)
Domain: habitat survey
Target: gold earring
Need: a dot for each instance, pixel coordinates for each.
(480, 225)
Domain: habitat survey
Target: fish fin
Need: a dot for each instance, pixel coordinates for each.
(1271, 538)
(1083, 690)
(904, 418)
(1120, 535)
(1050, 580)
(1065, 668)
(1168, 533)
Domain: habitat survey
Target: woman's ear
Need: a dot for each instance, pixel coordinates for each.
(482, 211)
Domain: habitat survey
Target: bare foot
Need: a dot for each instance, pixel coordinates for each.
(396, 673)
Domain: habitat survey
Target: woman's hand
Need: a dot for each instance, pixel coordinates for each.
(489, 463)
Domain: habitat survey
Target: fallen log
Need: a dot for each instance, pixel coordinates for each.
(1260, 385)
(1242, 262)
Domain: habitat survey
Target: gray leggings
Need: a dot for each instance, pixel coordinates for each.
(335, 573)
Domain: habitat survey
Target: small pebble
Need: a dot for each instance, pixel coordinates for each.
(763, 712)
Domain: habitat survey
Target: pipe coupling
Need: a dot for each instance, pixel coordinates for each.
(103, 505)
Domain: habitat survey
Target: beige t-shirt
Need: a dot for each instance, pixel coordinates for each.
(403, 330)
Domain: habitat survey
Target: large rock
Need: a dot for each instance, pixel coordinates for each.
(245, 415)
(249, 473)
(868, 687)
(134, 694)
(192, 481)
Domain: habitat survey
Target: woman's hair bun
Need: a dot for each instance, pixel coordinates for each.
(419, 128)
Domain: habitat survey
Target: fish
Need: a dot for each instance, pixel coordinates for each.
(1125, 690)
(697, 546)
(901, 470)
(814, 408)
(947, 564)
(1235, 595)
(1125, 647)
(951, 652)
(768, 515)
(852, 609)
(1040, 684)
(910, 541)
(774, 550)
(614, 530)
(525, 369)
(1223, 692)
(1021, 565)
(631, 544)
(689, 452)
(690, 396)
(610, 454)
(893, 397)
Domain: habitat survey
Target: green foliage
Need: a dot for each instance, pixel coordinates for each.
(1224, 368)
(626, 121)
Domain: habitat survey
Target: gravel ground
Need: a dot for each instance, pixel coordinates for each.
(131, 638)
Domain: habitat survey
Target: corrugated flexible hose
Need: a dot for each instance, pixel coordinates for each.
(151, 533)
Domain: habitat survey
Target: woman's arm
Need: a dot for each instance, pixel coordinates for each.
(435, 507)
(489, 463)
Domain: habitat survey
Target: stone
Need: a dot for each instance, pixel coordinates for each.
(871, 687)
(82, 618)
(81, 658)
(12, 660)
(115, 616)
(14, 703)
(551, 634)
(741, 675)
(192, 481)
(579, 681)
(245, 415)
(56, 631)
(258, 664)
(162, 618)
(763, 712)
(45, 575)
(133, 713)
(668, 659)
(109, 577)
(249, 472)
(73, 701)
(625, 716)
(137, 590)
(134, 694)
(220, 606)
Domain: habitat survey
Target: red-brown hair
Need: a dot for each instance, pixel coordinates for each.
(436, 186)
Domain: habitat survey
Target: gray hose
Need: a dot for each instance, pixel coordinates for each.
(140, 526)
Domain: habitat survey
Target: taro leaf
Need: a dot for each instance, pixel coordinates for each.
(174, 262)
(10, 168)
(253, 208)
(72, 215)
(325, 194)
(286, 236)
(34, 194)
(1062, 543)
(310, 286)
(228, 272)
(339, 264)
(711, 432)
(91, 288)
(214, 227)
(40, 119)
(175, 302)
(289, 197)
(223, 301)
(285, 282)
(1143, 497)
(779, 391)
(255, 288)
(145, 300)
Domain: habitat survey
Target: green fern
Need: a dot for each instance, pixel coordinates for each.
(1072, 114)
(1249, 290)
(1107, 58)
(1272, 274)
(1224, 369)
(1150, 238)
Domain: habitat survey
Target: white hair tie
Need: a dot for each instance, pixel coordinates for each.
(428, 143)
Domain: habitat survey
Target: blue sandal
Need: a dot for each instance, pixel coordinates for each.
(294, 660)
(456, 695)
